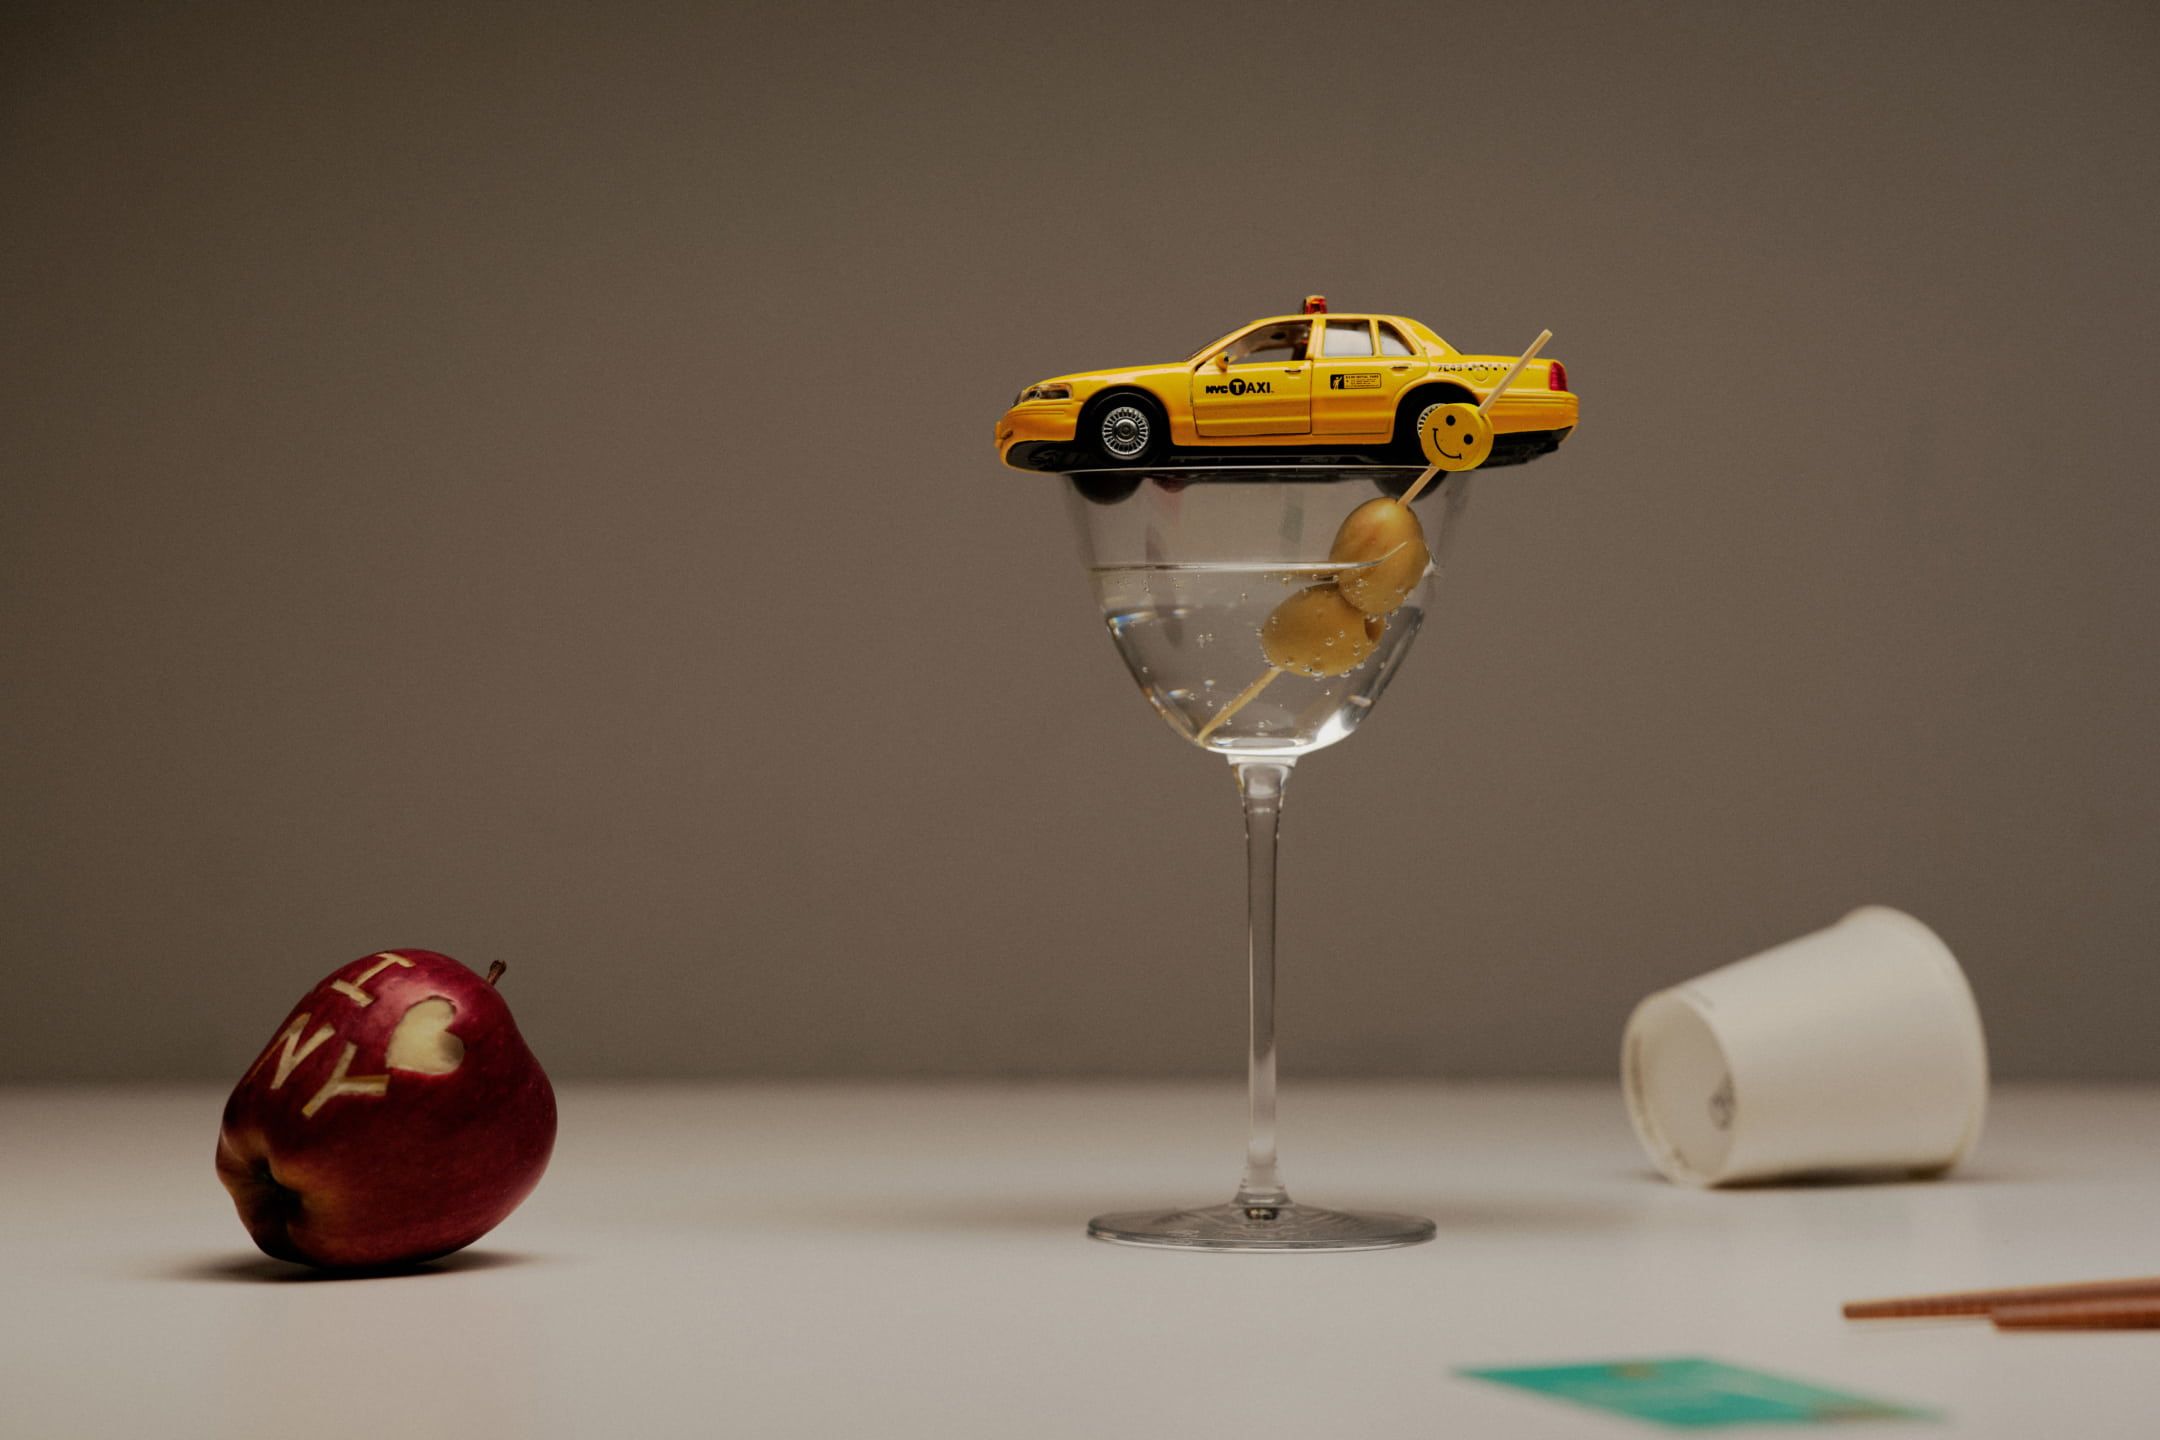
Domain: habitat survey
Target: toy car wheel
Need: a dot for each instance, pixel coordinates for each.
(1106, 489)
(1410, 419)
(1126, 430)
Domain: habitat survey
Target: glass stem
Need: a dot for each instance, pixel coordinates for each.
(1261, 783)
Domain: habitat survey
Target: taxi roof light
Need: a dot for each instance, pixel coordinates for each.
(1316, 304)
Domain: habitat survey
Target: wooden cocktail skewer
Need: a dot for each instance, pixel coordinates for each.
(2080, 1315)
(1251, 692)
(1514, 370)
(1244, 697)
(1986, 1302)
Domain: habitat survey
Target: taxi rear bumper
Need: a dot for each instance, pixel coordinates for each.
(1534, 410)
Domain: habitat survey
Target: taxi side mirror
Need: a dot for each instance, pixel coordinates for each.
(1221, 360)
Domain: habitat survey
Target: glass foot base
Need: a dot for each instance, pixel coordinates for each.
(1281, 1227)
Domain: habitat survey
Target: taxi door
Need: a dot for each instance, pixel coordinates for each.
(1355, 381)
(1258, 384)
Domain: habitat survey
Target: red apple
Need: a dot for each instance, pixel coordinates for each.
(395, 1116)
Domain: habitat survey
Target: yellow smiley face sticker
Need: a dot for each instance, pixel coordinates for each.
(1456, 437)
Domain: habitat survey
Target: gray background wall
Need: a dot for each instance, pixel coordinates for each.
(517, 480)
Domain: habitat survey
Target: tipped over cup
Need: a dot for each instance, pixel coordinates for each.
(1856, 1050)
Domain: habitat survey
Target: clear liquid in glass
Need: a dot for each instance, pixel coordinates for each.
(1190, 635)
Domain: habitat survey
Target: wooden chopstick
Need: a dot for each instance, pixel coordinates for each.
(2080, 1315)
(1987, 1302)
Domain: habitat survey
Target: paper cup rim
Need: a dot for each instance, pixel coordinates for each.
(1663, 1153)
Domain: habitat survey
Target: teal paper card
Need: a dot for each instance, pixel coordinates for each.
(1696, 1394)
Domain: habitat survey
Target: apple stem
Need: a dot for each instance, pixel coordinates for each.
(495, 971)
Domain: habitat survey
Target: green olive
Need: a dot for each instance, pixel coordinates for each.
(1387, 534)
(1317, 632)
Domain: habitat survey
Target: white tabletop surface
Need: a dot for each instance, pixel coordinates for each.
(905, 1261)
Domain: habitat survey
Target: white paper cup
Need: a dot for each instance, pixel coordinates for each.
(1857, 1048)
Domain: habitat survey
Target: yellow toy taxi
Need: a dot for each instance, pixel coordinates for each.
(1313, 383)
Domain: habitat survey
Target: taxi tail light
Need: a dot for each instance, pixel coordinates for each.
(1556, 377)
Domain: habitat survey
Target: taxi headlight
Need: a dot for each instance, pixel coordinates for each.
(1044, 392)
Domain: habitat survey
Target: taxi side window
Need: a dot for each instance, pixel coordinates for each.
(1272, 344)
(1392, 342)
(1347, 339)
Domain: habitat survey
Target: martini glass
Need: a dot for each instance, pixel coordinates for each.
(1187, 565)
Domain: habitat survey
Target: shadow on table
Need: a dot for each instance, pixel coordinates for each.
(262, 1270)
(1526, 1214)
(915, 1214)
(1979, 1173)
(1068, 1216)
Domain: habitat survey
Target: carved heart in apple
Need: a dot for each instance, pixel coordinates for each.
(395, 1116)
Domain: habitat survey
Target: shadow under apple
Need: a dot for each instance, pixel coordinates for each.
(264, 1270)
